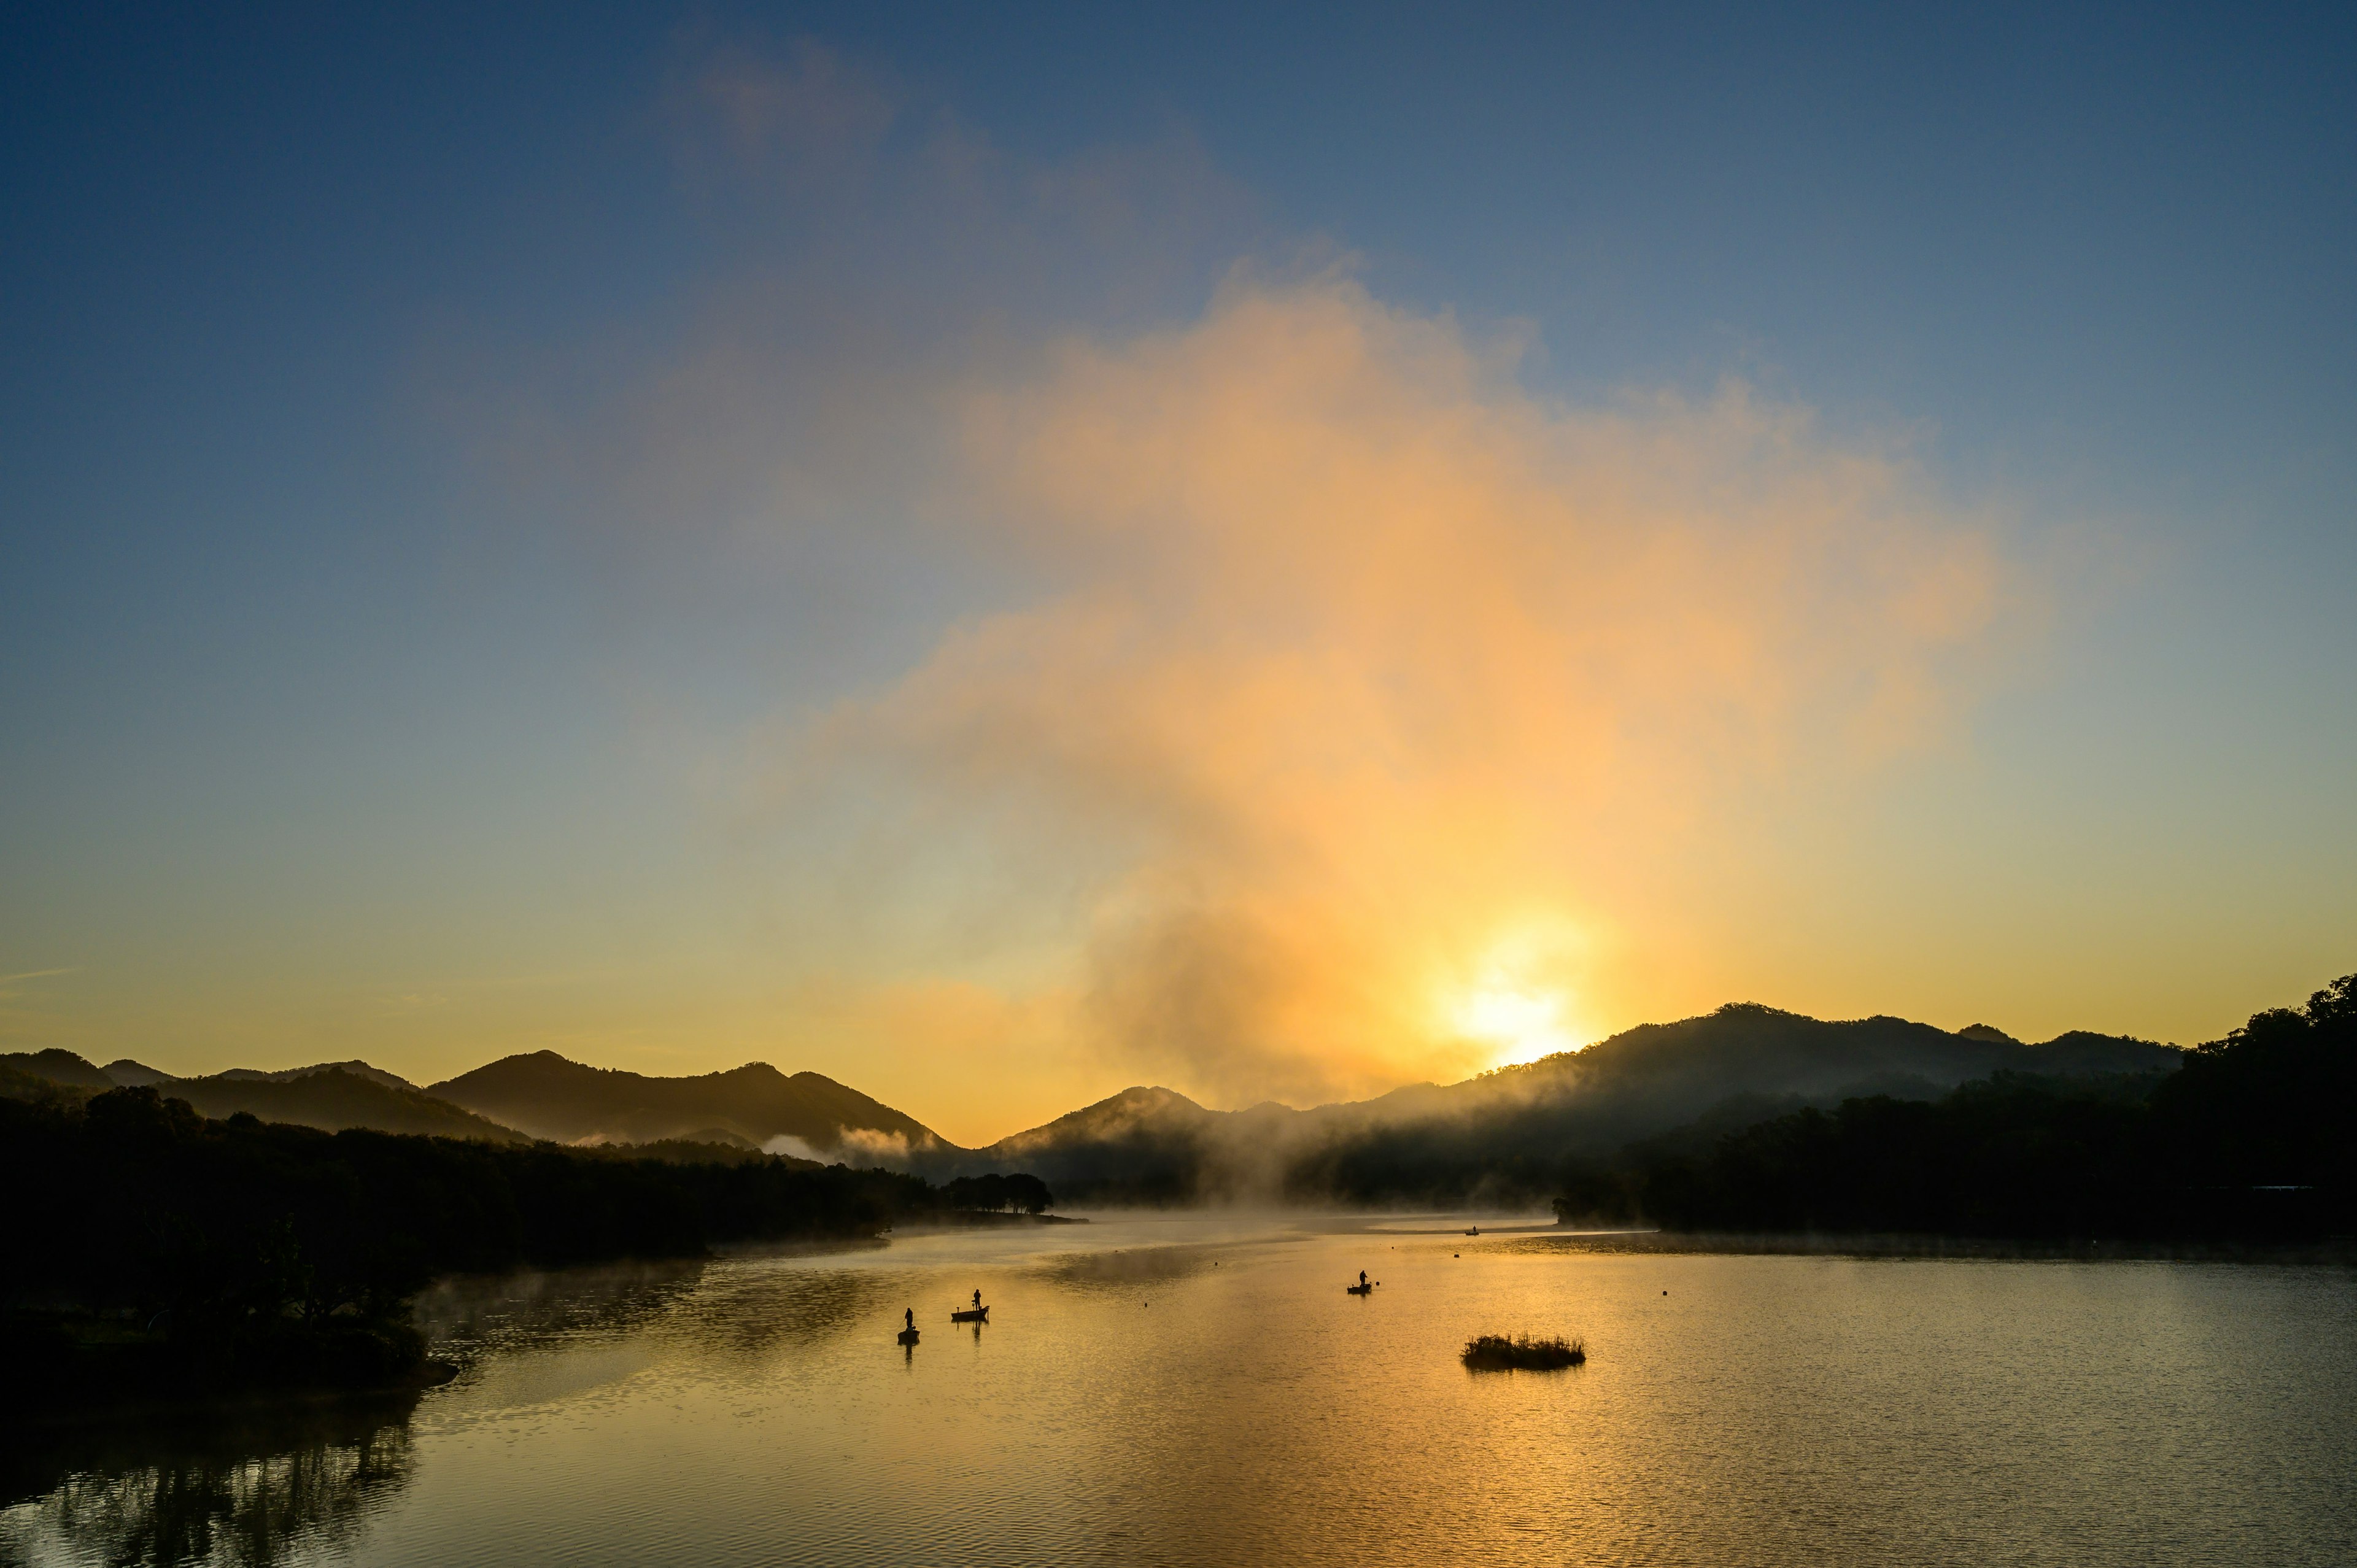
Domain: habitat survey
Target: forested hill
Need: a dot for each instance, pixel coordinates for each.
(2248, 1141)
(551, 1097)
(1501, 1136)
(330, 1098)
(1745, 1048)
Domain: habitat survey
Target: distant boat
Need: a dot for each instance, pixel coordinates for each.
(1475, 1231)
(907, 1337)
(1367, 1289)
(977, 1314)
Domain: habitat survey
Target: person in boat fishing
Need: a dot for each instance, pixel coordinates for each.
(1362, 1279)
(977, 1301)
(911, 1316)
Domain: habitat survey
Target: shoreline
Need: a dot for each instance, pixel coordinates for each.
(1906, 1245)
(975, 1219)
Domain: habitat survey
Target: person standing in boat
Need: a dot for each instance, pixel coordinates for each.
(1362, 1279)
(977, 1301)
(910, 1314)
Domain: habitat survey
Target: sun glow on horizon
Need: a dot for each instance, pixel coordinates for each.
(1517, 1004)
(1522, 1025)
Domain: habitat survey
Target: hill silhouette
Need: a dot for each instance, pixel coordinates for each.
(128, 1074)
(122, 1073)
(1503, 1136)
(331, 1096)
(333, 1099)
(56, 1067)
(551, 1097)
(2247, 1142)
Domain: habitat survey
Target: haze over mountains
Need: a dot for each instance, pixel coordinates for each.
(1501, 1136)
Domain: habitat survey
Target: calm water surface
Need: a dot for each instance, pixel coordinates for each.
(1203, 1391)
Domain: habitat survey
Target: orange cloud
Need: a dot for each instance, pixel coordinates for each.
(1365, 686)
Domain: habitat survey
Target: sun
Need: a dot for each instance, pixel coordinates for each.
(1517, 1004)
(1519, 1023)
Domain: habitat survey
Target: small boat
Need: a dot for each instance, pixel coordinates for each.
(974, 1315)
(1475, 1231)
(907, 1337)
(1367, 1289)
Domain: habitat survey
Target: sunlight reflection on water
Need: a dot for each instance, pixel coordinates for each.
(1201, 1391)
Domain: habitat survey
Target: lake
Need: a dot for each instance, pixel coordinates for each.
(1201, 1391)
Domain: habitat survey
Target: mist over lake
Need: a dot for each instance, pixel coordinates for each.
(1199, 1390)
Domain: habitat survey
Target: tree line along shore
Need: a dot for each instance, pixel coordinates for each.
(156, 1254)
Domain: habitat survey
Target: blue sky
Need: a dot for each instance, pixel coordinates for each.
(373, 642)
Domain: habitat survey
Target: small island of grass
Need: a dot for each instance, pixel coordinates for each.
(1496, 1353)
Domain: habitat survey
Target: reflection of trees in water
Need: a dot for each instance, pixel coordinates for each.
(726, 1312)
(228, 1492)
(742, 1314)
(516, 1311)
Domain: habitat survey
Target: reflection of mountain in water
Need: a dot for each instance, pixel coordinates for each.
(253, 1487)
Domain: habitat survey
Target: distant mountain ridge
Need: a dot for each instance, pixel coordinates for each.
(59, 1067)
(1741, 1064)
(1499, 1135)
(128, 1074)
(330, 1096)
(334, 1098)
(289, 1075)
(553, 1097)
(806, 1116)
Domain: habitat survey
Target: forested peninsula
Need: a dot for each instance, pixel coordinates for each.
(155, 1253)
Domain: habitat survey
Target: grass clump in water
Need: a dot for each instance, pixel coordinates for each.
(1496, 1353)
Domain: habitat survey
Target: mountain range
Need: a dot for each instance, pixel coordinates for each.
(330, 1095)
(1501, 1136)
(1504, 1133)
(755, 1105)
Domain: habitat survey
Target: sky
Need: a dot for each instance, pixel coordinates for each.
(998, 554)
